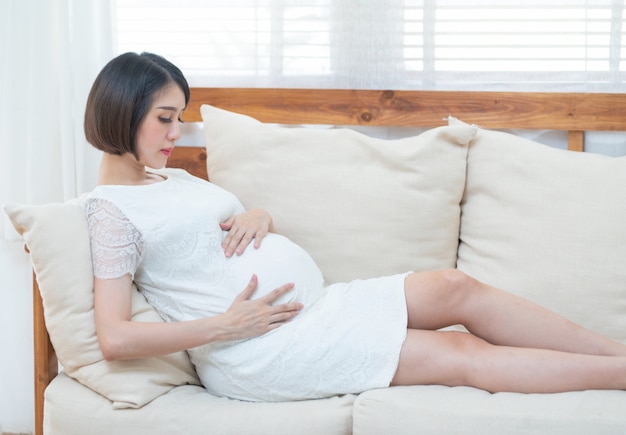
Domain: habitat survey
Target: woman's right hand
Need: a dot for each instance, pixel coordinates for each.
(251, 318)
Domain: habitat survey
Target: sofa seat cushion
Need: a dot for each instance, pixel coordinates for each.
(70, 409)
(548, 225)
(362, 207)
(463, 410)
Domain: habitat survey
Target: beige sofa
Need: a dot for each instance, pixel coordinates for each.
(547, 224)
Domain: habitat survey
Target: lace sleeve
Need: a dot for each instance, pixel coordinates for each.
(116, 244)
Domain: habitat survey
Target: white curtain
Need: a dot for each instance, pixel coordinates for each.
(51, 51)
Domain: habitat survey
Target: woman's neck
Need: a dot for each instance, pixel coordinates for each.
(124, 170)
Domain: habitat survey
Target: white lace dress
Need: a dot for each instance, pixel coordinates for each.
(167, 236)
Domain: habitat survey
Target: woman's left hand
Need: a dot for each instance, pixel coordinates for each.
(242, 228)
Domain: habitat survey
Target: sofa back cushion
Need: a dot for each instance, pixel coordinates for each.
(548, 225)
(58, 241)
(360, 206)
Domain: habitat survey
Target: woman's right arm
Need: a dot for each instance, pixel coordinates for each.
(121, 338)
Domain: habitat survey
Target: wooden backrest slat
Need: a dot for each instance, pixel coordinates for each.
(192, 159)
(496, 110)
(576, 140)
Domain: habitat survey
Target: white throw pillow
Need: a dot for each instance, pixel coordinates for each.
(360, 206)
(548, 225)
(58, 241)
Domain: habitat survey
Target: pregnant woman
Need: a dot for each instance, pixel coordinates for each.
(251, 306)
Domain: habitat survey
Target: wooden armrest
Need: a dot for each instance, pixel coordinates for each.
(46, 362)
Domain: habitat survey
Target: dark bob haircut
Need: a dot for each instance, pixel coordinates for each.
(121, 96)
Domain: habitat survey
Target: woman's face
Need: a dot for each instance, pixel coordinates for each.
(160, 127)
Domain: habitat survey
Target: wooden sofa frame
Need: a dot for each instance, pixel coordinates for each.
(575, 113)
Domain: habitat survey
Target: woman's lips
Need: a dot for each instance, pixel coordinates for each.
(167, 151)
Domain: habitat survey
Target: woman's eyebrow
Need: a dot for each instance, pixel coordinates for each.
(172, 108)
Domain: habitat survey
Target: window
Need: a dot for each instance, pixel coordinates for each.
(230, 41)
(414, 44)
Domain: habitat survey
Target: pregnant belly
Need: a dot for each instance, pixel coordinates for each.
(278, 261)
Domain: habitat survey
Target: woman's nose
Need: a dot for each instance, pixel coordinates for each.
(174, 133)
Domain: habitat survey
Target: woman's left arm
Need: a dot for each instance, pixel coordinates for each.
(242, 228)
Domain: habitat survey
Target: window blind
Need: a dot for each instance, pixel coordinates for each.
(413, 44)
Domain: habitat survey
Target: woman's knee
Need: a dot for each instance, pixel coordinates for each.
(454, 279)
(437, 357)
(455, 286)
(444, 279)
(437, 299)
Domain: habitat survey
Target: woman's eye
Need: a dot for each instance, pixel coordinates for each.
(164, 120)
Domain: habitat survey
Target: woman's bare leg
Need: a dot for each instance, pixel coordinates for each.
(458, 358)
(443, 298)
